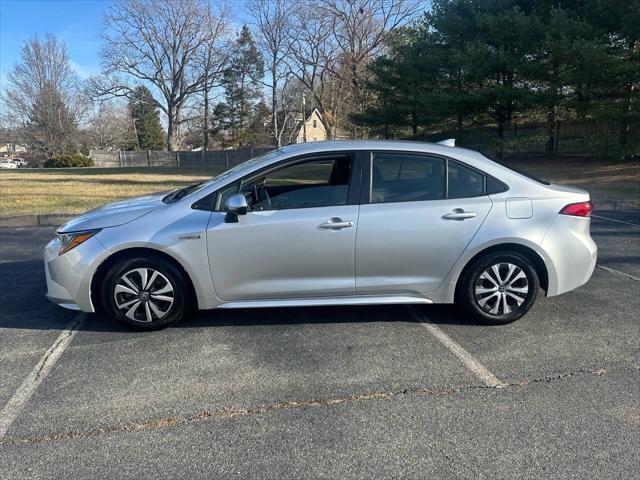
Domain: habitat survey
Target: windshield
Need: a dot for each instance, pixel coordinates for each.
(176, 195)
(246, 165)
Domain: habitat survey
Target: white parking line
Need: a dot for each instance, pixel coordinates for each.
(616, 272)
(468, 360)
(614, 220)
(15, 405)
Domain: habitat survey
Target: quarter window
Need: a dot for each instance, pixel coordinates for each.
(406, 178)
(494, 186)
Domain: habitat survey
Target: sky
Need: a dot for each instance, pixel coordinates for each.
(76, 22)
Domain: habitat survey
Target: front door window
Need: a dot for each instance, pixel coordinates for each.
(316, 183)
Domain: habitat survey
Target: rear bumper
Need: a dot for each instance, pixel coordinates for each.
(69, 275)
(572, 252)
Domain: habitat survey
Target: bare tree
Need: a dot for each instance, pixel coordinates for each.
(313, 59)
(289, 97)
(160, 42)
(359, 28)
(213, 61)
(43, 97)
(110, 128)
(272, 21)
(290, 106)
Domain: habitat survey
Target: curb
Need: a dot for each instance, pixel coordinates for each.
(57, 219)
(37, 220)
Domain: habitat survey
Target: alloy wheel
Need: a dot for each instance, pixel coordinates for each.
(144, 295)
(501, 289)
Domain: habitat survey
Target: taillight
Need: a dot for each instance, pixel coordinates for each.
(582, 209)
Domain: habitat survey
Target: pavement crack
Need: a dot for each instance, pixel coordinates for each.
(205, 415)
(552, 378)
(53, 350)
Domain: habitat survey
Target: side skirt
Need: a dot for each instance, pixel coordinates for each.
(315, 302)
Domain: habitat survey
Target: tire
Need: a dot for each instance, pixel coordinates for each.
(158, 304)
(484, 289)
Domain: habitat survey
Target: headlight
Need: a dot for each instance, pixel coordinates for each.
(69, 241)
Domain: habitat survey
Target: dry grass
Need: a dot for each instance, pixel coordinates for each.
(78, 190)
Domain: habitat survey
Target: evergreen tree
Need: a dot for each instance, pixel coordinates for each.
(557, 61)
(447, 34)
(384, 114)
(504, 38)
(146, 118)
(404, 81)
(614, 69)
(242, 91)
(484, 62)
(51, 127)
(462, 61)
(590, 63)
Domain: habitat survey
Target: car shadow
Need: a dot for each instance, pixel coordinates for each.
(23, 306)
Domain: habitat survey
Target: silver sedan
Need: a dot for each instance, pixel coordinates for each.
(330, 223)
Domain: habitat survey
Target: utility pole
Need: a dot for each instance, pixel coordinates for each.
(135, 132)
(205, 128)
(304, 117)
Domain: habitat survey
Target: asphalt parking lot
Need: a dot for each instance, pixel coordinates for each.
(325, 392)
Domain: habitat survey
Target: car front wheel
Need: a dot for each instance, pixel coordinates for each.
(499, 288)
(146, 293)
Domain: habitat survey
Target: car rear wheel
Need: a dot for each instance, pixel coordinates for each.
(499, 288)
(145, 293)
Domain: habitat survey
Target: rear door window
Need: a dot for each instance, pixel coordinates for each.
(464, 182)
(398, 177)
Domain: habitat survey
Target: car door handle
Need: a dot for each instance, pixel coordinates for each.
(335, 224)
(459, 214)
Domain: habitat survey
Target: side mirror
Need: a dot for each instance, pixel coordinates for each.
(235, 205)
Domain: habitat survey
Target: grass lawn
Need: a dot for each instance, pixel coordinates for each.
(81, 189)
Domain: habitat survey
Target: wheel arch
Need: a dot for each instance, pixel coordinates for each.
(99, 274)
(529, 253)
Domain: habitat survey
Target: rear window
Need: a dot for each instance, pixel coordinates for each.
(521, 172)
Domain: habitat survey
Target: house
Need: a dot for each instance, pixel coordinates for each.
(312, 127)
(12, 148)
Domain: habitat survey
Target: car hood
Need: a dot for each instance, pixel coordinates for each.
(114, 214)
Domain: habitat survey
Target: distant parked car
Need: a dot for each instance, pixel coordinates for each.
(20, 162)
(330, 223)
(8, 164)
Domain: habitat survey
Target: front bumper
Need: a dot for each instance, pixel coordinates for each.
(69, 275)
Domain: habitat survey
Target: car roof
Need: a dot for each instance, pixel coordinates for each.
(474, 158)
(333, 145)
